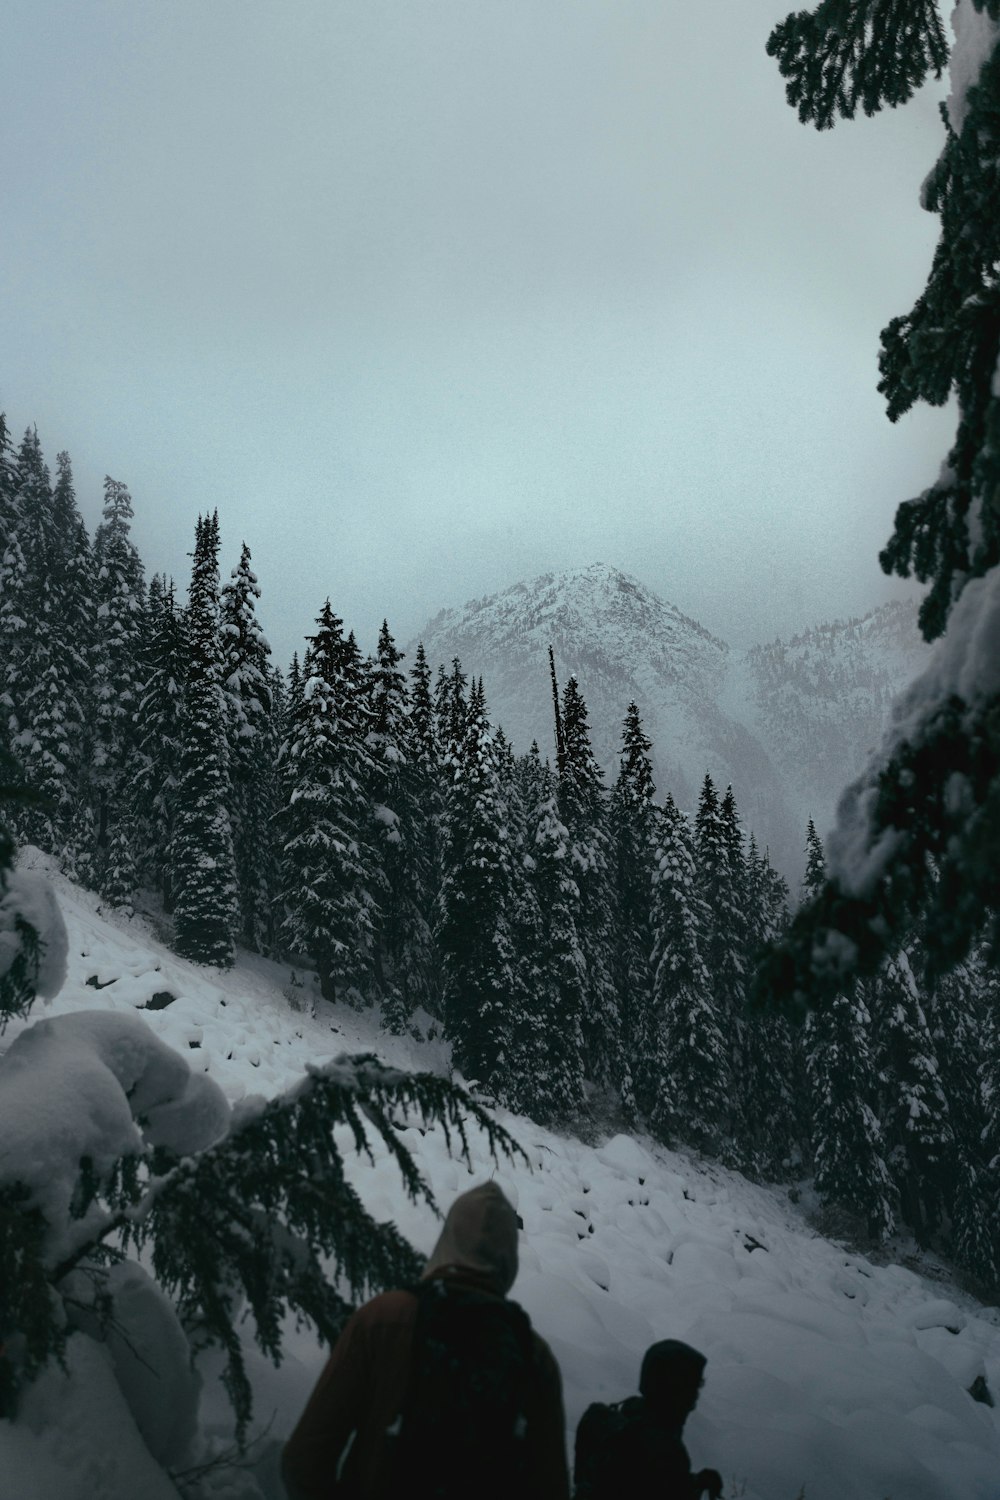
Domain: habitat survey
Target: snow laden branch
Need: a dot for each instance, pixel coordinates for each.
(110, 1144)
(851, 52)
(918, 835)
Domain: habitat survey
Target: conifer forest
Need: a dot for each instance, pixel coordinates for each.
(559, 311)
(588, 950)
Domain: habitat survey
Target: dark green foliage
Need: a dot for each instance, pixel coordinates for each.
(936, 811)
(632, 819)
(256, 1218)
(583, 807)
(252, 736)
(847, 1141)
(949, 343)
(481, 983)
(158, 734)
(547, 1077)
(685, 1077)
(202, 859)
(851, 52)
(934, 802)
(402, 808)
(18, 977)
(772, 1083)
(330, 881)
(31, 1332)
(120, 594)
(912, 1107)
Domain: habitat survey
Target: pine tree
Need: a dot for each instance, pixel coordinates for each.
(583, 809)
(633, 839)
(120, 602)
(686, 1079)
(921, 828)
(773, 1085)
(977, 1214)
(252, 743)
(481, 990)
(79, 636)
(202, 859)
(33, 684)
(912, 1107)
(328, 877)
(960, 1008)
(403, 939)
(546, 1078)
(13, 614)
(722, 883)
(847, 1143)
(450, 710)
(163, 668)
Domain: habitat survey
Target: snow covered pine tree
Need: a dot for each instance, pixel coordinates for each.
(921, 828)
(111, 1145)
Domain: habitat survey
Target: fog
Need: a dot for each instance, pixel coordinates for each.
(428, 297)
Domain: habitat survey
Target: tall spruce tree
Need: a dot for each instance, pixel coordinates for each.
(773, 1085)
(583, 809)
(722, 885)
(328, 878)
(481, 989)
(403, 942)
(686, 1075)
(202, 859)
(120, 592)
(253, 746)
(159, 734)
(548, 1065)
(632, 823)
(911, 1103)
(847, 1143)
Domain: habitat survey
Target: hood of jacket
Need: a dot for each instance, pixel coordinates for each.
(479, 1237)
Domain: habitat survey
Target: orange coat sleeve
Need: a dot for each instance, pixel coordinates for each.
(333, 1412)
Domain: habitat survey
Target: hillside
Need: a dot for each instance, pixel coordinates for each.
(788, 724)
(825, 1370)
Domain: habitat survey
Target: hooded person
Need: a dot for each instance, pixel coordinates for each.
(635, 1448)
(442, 1389)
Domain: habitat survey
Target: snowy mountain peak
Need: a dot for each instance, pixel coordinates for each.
(787, 723)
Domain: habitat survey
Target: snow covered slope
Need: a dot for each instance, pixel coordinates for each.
(825, 1370)
(788, 724)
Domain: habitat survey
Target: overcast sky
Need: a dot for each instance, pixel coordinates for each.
(433, 295)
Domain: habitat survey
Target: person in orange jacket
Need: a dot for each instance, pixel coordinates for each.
(442, 1389)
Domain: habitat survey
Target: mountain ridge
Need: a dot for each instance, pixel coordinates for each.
(788, 723)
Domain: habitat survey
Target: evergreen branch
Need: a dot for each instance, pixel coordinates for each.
(851, 52)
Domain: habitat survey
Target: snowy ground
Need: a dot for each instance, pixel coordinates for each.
(825, 1371)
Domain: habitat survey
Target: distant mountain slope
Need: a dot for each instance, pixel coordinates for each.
(788, 724)
(821, 700)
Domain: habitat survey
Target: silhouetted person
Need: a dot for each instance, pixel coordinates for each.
(441, 1390)
(634, 1448)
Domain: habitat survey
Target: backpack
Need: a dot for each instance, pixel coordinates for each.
(622, 1450)
(604, 1438)
(463, 1422)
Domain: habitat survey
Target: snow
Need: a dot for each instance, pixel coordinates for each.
(30, 897)
(966, 665)
(77, 1086)
(975, 37)
(824, 1369)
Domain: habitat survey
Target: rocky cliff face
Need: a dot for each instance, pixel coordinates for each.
(788, 724)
